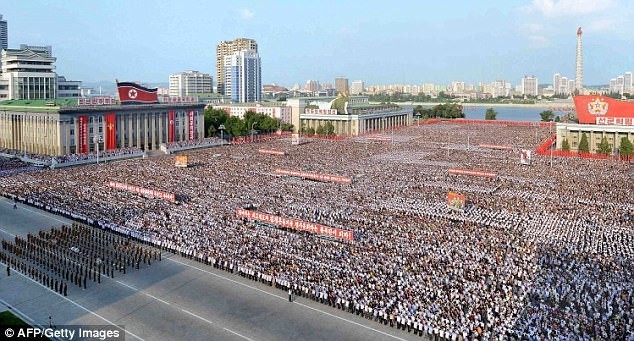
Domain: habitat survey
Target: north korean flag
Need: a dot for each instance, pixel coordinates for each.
(133, 93)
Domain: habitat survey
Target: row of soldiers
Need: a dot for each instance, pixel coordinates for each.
(75, 254)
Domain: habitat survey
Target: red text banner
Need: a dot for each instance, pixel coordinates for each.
(82, 134)
(271, 152)
(472, 172)
(296, 224)
(111, 131)
(143, 191)
(314, 176)
(593, 109)
(191, 124)
(495, 146)
(171, 128)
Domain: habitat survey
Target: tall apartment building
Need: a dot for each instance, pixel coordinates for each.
(4, 34)
(627, 83)
(189, 83)
(341, 85)
(228, 48)
(243, 76)
(312, 85)
(357, 88)
(27, 75)
(529, 86)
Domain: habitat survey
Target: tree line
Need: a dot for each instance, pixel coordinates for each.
(449, 110)
(235, 126)
(626, 148)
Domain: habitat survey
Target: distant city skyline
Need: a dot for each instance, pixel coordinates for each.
(382, 43)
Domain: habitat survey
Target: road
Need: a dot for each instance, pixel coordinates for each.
(176, 299)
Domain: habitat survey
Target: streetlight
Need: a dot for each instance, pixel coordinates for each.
(96, 139)
(222, 136)
(252, 131)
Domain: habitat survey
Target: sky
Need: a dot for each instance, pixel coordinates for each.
(379, 42)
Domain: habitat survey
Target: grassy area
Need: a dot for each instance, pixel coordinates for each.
(8, 319)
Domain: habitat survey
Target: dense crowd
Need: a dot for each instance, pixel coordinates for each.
(205, 142)
(545, 252)
(104, 154)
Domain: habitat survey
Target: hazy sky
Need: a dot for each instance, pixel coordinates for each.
(380, 42)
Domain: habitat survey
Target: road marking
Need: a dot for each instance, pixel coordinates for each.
(48, 215)
(79, 305)
(7, 232)
(350, 321)
(304, 305)
(197, 316)
(226, 278)
(240, 335)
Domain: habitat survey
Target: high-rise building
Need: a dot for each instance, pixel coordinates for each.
(627, 83)
(357, 88)
(312, 85)
(27, 75)
(579, 63)
(243, 76)
(341, 85)
(228, 48)
(190, 83)
(529, 86)
(4, 34)
(557, 83)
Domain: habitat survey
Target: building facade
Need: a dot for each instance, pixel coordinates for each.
(228, 48)
(529, 86)
(68, 129)
(595, 133)
(27, 75)
(68, 89)
(357, 88)
(4, 34)
(190, 83)
(243, 76)
(341, 85)
(281, 111)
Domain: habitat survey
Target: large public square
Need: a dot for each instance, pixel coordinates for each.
(542, 250)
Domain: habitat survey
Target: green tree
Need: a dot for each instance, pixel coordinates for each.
(557, 118)
(627, 149)
(310, 131)
(329, 129)
(547, 115)
(604, 146)
(320, 130)
(287, 127)
(490, 114)
(214, 118)
(583, 144)
(565, 145)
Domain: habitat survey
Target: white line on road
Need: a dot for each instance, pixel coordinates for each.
(304, 305)
(197, 316)
(79, 305)
(48, 215)
(7, 232)
(240, 335)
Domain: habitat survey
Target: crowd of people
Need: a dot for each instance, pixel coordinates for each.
(103, 154)
(545, 252)
(204, 142)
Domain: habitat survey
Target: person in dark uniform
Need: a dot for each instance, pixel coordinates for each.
(8, 270)
(290, 295)
(65, 290)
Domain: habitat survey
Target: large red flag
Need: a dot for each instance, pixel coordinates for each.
(171, 127)
(111, 131)
(133, 93)
(191, 124)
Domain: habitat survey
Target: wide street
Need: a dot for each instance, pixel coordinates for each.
(175, 299)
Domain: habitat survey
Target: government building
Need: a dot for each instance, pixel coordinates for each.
(62, 126)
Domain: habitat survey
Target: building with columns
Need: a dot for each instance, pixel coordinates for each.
(62, 127)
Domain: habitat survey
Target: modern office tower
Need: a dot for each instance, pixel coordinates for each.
(243, 76)
(341, 85)
(627, 83)
(228, 48)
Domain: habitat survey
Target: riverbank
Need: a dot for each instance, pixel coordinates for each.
(544, 105)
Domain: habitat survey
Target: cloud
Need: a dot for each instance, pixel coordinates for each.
(538, 41)
(246, 14)
(560, 8)
(602, 25)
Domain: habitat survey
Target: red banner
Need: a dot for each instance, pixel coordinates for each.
(143, 191)
(458, 171)
(271, 151)
(191, 124)
(82, 134)
(296, 224)
(111, 131)
(133, 93)
(495, 146)
(315, 176)
(594, 109)
(171, 128)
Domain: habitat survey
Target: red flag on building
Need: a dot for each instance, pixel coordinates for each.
(111, 131)
(171, 127)
(133, 93)
(82, 134)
